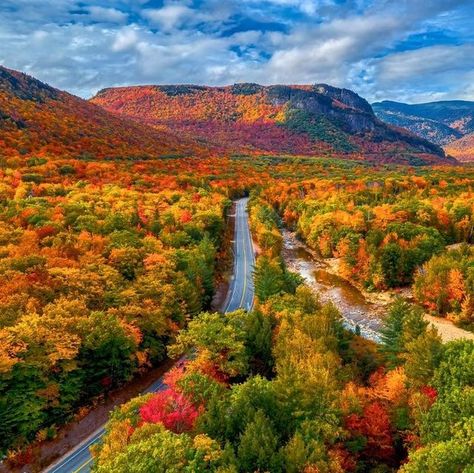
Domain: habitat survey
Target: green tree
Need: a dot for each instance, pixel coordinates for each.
(449, 456)
(217, 338)
(401, 325)
(304, 450)
(268, 277)
(258, 328)
(258, 449)
(414, 324)
(456, 369)
(294, 454)
(227, 416)
(392, 262)
(271, 278)
(422, 357)
(152, 448)
(106, 354)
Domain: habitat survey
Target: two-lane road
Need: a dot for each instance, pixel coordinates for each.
(241, 291)
(240, 295)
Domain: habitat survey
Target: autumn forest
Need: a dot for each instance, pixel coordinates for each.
(117, 233)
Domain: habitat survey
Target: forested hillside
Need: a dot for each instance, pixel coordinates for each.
(440, 122)
(463, 148)
(306, 120)
(38, 120)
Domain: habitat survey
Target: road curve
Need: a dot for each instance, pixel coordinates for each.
(240, 295)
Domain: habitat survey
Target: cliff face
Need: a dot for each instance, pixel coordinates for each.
(354, 113)
(299, 119)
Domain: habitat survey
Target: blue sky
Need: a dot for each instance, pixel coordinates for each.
(406, 50)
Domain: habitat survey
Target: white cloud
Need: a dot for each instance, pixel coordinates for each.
(430, 73)
(125, 39)
(169, 17)
(310, 7)
(330, 51)
(181, 60)
(354, 44)
(107, 15)
(431, 62)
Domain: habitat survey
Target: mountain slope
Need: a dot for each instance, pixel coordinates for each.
(317, 119)
(462, 149)
(38, 119)
(440, 122)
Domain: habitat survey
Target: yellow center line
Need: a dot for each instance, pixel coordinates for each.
(232, 285)
(83, 465)
(245, 275)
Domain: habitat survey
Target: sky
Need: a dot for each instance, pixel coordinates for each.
(404, 50)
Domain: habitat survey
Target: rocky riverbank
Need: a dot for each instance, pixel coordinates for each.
(359, 308)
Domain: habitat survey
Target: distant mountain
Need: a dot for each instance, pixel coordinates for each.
(462, 149)
(36, 119)
(439, 122)
(245, 118)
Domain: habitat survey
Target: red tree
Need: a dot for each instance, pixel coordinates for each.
(172, 409)
(374, 425)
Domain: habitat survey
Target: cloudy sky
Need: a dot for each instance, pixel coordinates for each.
(407, 50)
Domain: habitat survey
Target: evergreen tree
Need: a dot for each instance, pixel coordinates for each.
(259, 341)
(295, 454)
(392, 332)
(268, 277)
(258, 446)
(414, 325)
(422, 357)
(391, 261)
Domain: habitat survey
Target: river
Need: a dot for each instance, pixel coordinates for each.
(354, 307)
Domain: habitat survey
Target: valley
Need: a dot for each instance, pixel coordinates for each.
(115, 240)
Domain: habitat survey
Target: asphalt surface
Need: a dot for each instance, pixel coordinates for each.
(240, 295)
(241, 291)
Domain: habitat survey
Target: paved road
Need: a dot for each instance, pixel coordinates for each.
(241, 291)
(240, 295)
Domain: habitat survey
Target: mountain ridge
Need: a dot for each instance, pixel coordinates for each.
(295, 119)
(441, 122)
(186, 120)
(36, 118)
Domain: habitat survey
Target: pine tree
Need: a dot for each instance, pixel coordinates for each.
(259, 341)
(258, 446)
(414, 325)
(392, 332)
(268, 277)
(391, 261)
(423, 357)
(295, 454)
